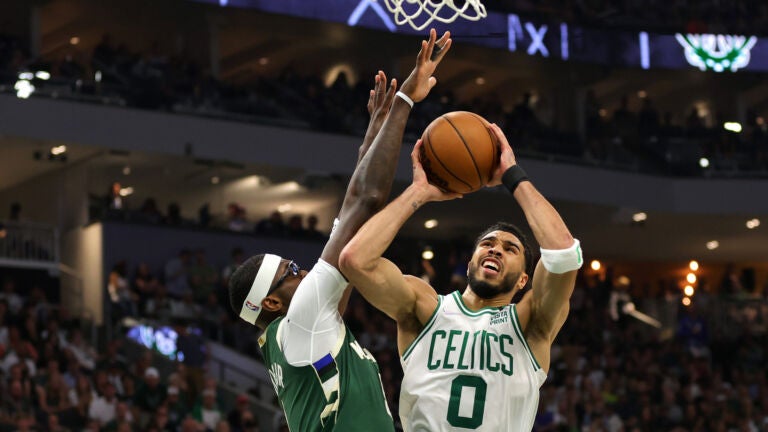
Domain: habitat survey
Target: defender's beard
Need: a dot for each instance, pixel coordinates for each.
(485, 290)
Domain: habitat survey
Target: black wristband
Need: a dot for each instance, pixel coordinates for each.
(512, 177)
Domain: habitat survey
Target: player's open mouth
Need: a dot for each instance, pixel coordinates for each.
(490, 266)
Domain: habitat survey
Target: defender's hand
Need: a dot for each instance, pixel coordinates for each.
(420, 81)
(379, 101)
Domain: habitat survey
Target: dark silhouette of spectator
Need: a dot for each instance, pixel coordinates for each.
(204, 215)
(114, 203)
(237, 257)
(273, 225)
(177, 273)
(195, 357)
(151, 392)
(149, 212)
(648, 119)
(174, 215)
(120, 295)
(295, 226)
(15, 213)
(203, 278)
(238, 412)
(312, 232)
(694, 123)
(144, 285)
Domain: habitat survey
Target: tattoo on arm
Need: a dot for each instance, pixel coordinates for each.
(416, 205)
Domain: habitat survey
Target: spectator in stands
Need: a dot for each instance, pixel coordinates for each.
(83, 352)
(15, 212)
(174, 215)
(160, 421)
(295, 226)
(207, 412)
(237, 257)
(312, 232)
(195, 360)
(185, 309)
(104, 407)
(203, 278)
(144, 285)
(177, 406)
(53, 396)
(53, 424)
(122, 300)
(149, 212)
(122, 415)
(113, 202)
(19, 362)
(160, 306)
(648, 119)
(236, 217)
(238, 412)
(151, 392)
(176, 274)
(273, 225)
(81, 396)
(215, 317)
(204, 215)
(9, 295)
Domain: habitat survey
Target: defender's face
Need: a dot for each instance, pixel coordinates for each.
(497, 264)
(289, 275)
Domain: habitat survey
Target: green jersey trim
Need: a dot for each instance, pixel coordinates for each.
(426, 328)
(519, 331)
(490, 310)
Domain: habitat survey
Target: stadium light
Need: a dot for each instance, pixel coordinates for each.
(713, 244)
(734, 127)
(427, 254)
(430, 223)
(595, 265)
(704, 162)
(693, 265)
(753, 223)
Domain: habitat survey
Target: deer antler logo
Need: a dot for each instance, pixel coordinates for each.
(717, 52)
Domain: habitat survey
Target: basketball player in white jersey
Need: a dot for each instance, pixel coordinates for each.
(472, 361)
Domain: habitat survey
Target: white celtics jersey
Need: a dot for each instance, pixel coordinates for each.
(470, 371)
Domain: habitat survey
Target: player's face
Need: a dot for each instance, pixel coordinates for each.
(287, 279)
(496, 265)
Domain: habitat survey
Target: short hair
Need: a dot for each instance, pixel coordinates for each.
(512, 229)
(241, 281)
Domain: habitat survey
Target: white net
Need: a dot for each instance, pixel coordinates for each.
(420, 13)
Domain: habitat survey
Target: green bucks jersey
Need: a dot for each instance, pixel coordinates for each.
(470, 370)
(341, 392)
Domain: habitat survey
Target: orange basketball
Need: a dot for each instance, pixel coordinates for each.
(459, 152)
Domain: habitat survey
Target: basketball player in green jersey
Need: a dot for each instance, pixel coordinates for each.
(472, 361)
(324, 379)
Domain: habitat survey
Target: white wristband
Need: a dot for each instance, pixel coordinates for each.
(562, 260)
(405, 97)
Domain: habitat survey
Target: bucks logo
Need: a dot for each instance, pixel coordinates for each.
(717, 52)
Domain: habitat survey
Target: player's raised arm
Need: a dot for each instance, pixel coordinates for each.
(555, 274)
(379, 280)
(372, 180)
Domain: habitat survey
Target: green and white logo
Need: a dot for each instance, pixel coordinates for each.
(717, 52)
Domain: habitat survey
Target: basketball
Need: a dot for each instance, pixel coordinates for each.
(459, 152)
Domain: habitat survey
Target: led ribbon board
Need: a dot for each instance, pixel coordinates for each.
(717, 52)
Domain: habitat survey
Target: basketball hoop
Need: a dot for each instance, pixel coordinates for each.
(420, 13)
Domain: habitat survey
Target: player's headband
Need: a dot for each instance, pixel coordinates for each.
(252, 305)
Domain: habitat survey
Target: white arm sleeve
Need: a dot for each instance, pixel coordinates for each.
(313, 325)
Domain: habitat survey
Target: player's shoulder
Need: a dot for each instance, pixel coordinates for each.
(421, 287)
(426, 298)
